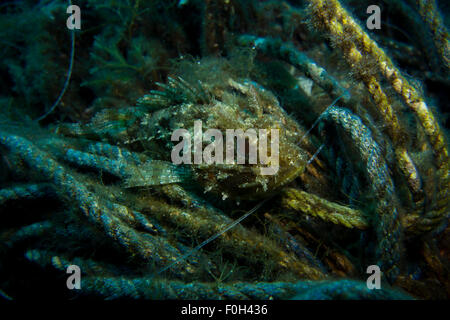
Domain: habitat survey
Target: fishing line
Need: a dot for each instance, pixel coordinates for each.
(69, 74)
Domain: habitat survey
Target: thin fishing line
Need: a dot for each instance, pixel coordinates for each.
(319, 118)
(212, 238)
(69, 74)
(315, 154)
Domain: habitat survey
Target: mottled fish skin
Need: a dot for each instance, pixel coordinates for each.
(222, 108)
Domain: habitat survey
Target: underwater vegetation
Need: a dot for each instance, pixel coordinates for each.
(87, 178)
